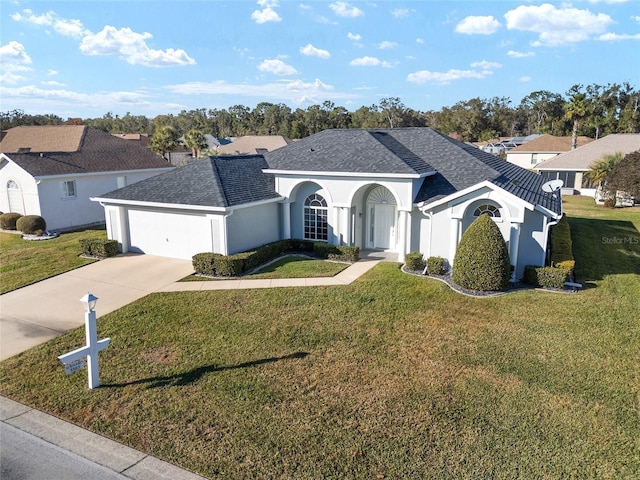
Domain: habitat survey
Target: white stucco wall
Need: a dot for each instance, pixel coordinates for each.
(43, 196)
(28, 189)
(251, 227)
(524, 159)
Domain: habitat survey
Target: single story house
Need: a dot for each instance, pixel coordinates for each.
(398, 190)
(52, 171)
(529, 154)
(571, 166)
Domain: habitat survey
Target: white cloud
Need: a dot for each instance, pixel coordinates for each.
(515, 54)
(343, 9)
(478, 25)
(354, 36)
(557, 26)
(420, 41)
(525, 79)
(14, 53)
(401, 12)
(132, 47)
(68, 28)
(635, 18)
(52, 83)
(612, 37)
(295, 91)
(277, 67)
(385, 45)
(368, 62)
(52, 72)
(267, 14)
(483, 69)
(312, 51)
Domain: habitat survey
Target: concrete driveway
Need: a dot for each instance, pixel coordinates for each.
(34, 314)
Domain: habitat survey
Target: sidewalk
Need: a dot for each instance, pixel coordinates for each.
(100, 450)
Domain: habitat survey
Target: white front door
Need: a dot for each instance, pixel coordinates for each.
(384, 223)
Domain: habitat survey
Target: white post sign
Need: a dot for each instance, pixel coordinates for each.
(74, 360)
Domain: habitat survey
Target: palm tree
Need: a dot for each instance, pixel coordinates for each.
(600, 170)
(164, 140)
(195, 141)
(576, 110)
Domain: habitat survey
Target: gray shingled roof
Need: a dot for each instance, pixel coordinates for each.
(211, 182)
(97, 151)
(349, 151)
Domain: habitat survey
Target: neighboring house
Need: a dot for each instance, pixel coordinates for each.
(252, 144)
(502, 145)
(52, 171)
(397, 190)
(571, 166)
(529, 154)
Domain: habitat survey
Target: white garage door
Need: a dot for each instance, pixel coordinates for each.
(166, 234)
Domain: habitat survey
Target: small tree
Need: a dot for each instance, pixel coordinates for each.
(600, 170)
(482, 258)
(195, 141)
(164, 140)
(625, 175)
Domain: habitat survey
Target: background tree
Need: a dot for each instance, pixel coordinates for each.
(625, 175)
(575, 110)
(164, 140)
(195, 141)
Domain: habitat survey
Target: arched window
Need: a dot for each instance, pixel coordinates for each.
(315, 218)
(12, 185)
(490, 210)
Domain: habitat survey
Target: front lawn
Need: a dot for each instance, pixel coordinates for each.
(393, 376)
(25, 262)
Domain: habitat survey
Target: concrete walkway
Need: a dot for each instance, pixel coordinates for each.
(118, 458)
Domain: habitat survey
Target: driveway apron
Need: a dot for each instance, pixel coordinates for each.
(34, 314)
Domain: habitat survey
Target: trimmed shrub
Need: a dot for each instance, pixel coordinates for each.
(230, 266)
(8, 220)
(346, 254)
(203, 263)
(561, 244)
(414, 261)
(436, 266)
(94, 247)
(550, 277)
(610, 203)
(31, 224)
(482, 258)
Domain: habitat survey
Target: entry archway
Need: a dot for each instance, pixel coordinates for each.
(382, 212)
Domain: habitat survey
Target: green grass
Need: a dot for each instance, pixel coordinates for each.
(291, 266)
(25, 262)
(394, 375)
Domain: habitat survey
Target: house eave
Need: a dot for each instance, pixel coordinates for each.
(311, 173)
(181, 206)
(108, 172)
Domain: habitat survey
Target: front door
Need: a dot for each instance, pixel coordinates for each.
(383, 226)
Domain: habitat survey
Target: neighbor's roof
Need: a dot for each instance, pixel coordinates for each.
(582, 157)
(71, 149)
(210, 182)
(253, 144)
(549, 143)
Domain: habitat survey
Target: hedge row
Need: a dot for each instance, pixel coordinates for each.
(561, 246)
(94, 247)
(215, 264)
(550, 277)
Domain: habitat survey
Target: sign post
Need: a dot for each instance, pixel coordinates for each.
(74, 360)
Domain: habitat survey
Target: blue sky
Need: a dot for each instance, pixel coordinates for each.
(87, 58)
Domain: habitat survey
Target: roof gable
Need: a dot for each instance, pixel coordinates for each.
(49, 138)
(96, 151)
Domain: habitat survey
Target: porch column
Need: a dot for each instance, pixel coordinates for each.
(346, 226)
(123, 230)
(286, 218)
(337, 228)
(402, 241)
(453, 238)
(514, 245)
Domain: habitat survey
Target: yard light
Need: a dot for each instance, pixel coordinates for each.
(89, 302)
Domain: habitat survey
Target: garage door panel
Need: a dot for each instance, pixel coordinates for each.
(167, 234)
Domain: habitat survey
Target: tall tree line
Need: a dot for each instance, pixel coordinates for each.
(593, 111)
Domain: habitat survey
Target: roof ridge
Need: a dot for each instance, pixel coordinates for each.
(217, 178)
(397, 148)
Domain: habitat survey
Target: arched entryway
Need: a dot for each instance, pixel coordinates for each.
(381, 219)
(16, 202)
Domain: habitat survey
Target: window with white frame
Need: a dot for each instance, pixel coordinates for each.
(315, 218)
(68, 189)
(491, 210)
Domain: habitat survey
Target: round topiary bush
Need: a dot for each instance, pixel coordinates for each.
(482, 258)
(31, 225)
(8, 220)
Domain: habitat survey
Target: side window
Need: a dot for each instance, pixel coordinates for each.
(68, 189)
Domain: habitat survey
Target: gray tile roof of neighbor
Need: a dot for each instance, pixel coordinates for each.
(210, 182)
(79, 150)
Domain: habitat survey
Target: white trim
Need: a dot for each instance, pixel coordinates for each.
(180, 206)
(347, 174)
(91, 174)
